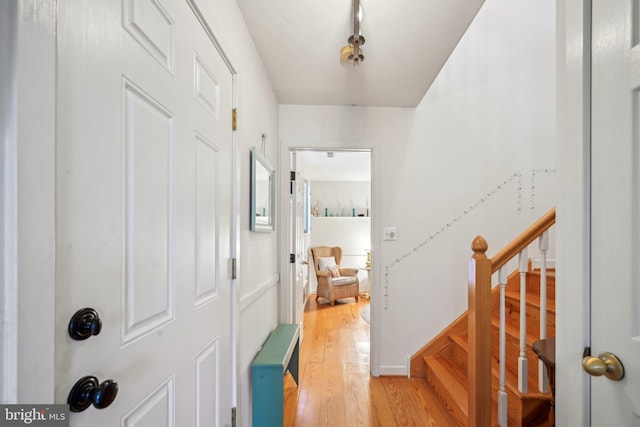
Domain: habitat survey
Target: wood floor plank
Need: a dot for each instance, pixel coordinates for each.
(379, 406)
(333, 412)
(356, 395)
(336, 388)
(310, 397)
(404, 402)
(291, 399)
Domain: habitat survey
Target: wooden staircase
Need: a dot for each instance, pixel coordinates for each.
(444, 360)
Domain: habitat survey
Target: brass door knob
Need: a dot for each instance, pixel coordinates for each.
(606, 364)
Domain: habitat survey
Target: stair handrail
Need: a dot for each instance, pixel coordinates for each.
(479, 329)
(525, 238)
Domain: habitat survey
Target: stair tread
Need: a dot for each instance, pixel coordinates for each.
(449, 374)
(533, 299)
(551, 272)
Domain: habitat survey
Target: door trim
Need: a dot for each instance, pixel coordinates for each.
(28, 227)
(285, 297)
(573, 208)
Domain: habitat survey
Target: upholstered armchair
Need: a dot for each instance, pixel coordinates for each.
(334, 282)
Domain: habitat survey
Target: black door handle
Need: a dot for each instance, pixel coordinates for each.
(87, 391)
(85, 323)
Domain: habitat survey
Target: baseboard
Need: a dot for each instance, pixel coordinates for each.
(396, 371)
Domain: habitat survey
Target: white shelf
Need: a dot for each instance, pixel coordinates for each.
(341, 217)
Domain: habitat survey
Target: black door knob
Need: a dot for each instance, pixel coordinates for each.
(87, 390)
(84, 323)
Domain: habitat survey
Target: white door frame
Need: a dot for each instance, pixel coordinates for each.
(27, 217)
(294, 223)
(28, 201)
(573, 209)
(286, 312)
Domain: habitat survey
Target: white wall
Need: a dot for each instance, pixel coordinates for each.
(340, 197)
(258, 252)
(323, 127)
(476, 157)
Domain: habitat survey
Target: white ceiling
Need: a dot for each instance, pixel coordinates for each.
(407, 42)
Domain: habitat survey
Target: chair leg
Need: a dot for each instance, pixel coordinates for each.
(332, 302)
(356, 297)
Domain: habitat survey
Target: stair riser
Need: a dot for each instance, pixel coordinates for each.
(459, 356)
(512, 316)
(533, 284)
(514, 405)
(521, 412)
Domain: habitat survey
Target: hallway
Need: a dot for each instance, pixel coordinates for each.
(335, 386)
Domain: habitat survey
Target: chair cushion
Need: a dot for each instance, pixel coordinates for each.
(329, 264)
(326, 261)
(343, 280)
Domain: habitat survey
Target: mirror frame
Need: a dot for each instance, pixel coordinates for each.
(257, 160)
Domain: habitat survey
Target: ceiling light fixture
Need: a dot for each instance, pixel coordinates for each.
(352, 52)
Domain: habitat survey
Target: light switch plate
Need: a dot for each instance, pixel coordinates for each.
(389, 233)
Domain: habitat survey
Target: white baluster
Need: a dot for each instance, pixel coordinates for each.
(502, 393)
(523, 365)
(543, 242)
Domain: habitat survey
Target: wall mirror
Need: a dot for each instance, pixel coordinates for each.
(263, 190)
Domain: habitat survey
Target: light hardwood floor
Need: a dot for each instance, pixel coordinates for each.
(336, 388)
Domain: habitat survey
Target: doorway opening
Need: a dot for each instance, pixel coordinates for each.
(331, 206)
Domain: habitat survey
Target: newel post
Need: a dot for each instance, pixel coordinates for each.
(479, 364)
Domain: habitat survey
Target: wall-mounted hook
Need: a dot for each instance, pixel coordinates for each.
(264, 139)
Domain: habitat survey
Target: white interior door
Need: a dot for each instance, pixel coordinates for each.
(615, 212)
(144, 157)
(297, 243)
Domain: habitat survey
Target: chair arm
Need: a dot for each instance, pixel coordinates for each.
(322, 273)
(349, 271)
